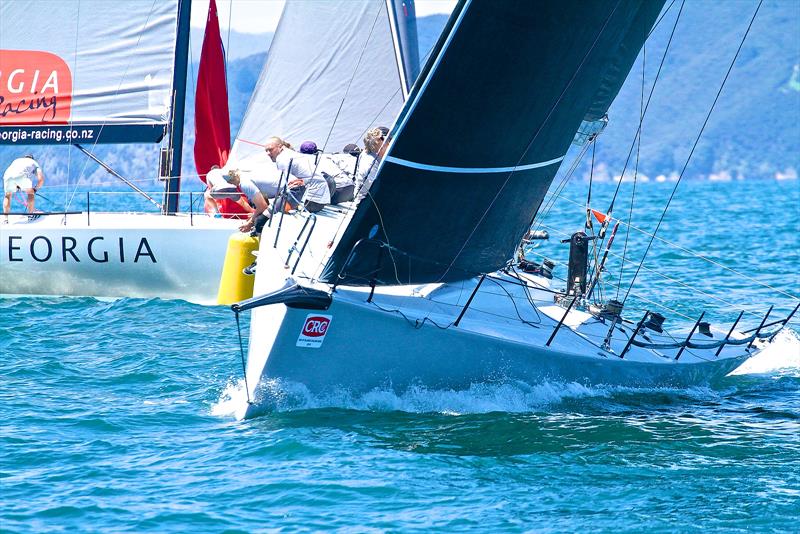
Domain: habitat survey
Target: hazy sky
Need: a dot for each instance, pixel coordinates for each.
(259, 16)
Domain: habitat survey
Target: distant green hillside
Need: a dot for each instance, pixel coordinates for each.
(754, 131)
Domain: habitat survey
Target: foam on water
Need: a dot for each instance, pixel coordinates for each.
(279, 396)
(782, 356)
(516, 397)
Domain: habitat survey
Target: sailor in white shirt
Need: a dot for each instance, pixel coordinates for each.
(258, 217)
(304, 172)
(375, 144)
(20, 176)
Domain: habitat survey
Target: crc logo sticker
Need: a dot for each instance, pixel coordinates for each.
(314, 330)
(35, 88)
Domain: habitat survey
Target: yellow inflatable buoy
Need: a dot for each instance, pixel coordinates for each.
(234, 285)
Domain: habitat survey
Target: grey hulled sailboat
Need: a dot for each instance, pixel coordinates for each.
(418, 283)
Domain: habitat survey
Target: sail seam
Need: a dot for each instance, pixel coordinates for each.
(471, 170)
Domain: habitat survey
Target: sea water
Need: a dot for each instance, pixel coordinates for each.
(118, 415)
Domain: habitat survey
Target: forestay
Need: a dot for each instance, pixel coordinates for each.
(483, 134)
(86, 70)
(332, 73)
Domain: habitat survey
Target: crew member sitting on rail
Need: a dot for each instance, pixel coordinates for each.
(303, 173)
(375, 143)
(224, 198)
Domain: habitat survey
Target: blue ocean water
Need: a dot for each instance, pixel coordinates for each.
(118, 414)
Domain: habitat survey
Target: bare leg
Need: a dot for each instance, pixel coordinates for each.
(31, 200)
(7, 203)
(209, 204)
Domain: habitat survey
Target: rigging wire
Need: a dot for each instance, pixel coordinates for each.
(116, 92)
(589, 224)
(67, 198)
(550, 202)
(695, 254)
(673, 281)
(647, 105)
(694, 146)
(353, 205)
(635, 176)
(350, 81)
(660, 18)
(228, 40)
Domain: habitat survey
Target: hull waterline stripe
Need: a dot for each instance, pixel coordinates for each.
(471, 170)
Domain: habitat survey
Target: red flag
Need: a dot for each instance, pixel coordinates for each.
(212, 131)
(601, 217)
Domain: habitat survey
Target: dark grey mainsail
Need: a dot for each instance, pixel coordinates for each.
(483, 133)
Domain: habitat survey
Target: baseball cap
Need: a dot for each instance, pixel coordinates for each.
(308, 147)
(351, 149)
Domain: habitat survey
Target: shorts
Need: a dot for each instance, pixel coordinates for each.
(23, 182)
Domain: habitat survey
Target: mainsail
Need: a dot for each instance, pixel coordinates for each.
(101, 79)
(332, 73)
(483, 133)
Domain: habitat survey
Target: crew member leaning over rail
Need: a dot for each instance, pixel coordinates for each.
(19, 176)
(259, 216)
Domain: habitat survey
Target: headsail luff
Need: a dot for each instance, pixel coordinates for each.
(483, 134)
(107, 78)
(331, 74)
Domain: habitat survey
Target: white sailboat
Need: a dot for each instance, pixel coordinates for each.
(114, 76)
(358, 60)
(420, 284)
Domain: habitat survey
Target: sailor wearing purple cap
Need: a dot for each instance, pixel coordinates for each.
(303, 173)
(308, 147)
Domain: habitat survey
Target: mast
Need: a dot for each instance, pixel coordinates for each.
(174, 149)
(403, 26)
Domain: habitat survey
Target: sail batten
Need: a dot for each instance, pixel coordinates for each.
(472, 170)
(480, 139)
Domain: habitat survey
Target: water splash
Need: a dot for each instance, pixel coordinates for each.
(782, 356)
(516, 397)
(232, 401)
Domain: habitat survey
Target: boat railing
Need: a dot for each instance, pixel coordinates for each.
(94, 202)
(378, 264)
(312, 221)
(755, 334)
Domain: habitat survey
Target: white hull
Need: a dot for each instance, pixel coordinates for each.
(406, 336)
(115, 255)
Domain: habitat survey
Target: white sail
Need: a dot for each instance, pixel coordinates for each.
(75, 67)
(331, 74)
